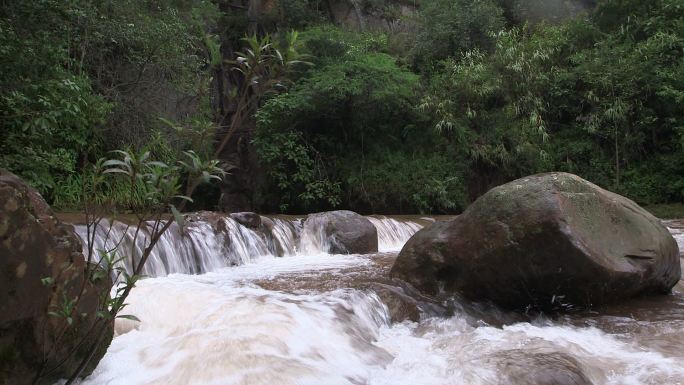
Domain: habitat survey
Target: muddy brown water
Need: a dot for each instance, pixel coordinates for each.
(312, 318)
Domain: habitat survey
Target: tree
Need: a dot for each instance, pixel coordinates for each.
(264, 67)
(450, 27)
(81, 77)
(348, 133)
(492, 107)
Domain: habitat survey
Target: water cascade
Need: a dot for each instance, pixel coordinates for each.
(204, 246)
(393, 233)
(301, 320)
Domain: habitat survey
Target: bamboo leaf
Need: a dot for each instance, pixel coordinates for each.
(129, 317)
(113, 162)
(115, 170)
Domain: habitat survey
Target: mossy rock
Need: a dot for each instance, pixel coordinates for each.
(549, 241)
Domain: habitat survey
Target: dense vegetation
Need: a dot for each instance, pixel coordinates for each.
(421, 116)
(82, 78)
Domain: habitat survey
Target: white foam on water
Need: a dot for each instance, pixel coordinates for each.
(212, 329)
(221, 328)
(449, 351)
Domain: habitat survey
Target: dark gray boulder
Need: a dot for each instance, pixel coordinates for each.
(546, 241)
(341, 232)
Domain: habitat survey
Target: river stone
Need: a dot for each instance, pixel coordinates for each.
(35, 245)
(547, 241)
(342, 232)
(247, 219)
(400, 306)
(553, 368)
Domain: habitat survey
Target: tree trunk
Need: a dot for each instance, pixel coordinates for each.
(253, 16)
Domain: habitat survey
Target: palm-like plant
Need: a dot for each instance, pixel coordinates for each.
(264, 67)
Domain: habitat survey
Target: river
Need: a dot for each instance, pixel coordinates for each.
(228, 311)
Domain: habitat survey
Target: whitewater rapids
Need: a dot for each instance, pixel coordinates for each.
(296, 320)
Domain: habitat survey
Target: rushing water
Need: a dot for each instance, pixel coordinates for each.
(254, 318)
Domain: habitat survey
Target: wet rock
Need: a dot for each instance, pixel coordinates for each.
(247, 219)
(401, 306)
(204, 216)
(554, 368)
(342, 232)
(215, 219)
(36, 248)
(548, 241)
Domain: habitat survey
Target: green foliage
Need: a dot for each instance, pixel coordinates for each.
(127, 50)
(451, 27)
(667, 211)
(299, 176)
(327, 44)
(599, 96)
(79, 78)
(415, 177)
(490, 107)
(287, 14)
(49, 115)
(325, 142)
(264, 66)
(341, 119)
(629, 97)
(604, 105)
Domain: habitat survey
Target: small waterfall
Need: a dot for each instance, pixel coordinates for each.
(286, 234)
(208, 245)
(201, 247)
(392, 233)
(313, 239)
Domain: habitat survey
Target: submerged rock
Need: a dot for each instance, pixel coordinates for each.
(400, 306)
(547, 241)
(342, 232)
(41, 265)
(553, 368)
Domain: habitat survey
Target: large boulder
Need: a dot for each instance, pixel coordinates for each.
(546, 241)
(41, 266)
(340, 232)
